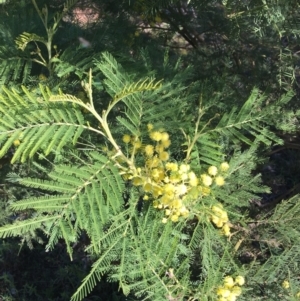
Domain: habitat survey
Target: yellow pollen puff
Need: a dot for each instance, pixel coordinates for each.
(181, 189)
(172, 166)
(167, 212)
(193, 182)
(224, 166)
(137, 181)
(149, 150)
(17, 142)
(174, 218)
(166, 143)
(285, 284)
(184, 176)
(240, 280)
(231, 297)
(175, 178)
(155, 204)
(206, 180)
(177, 203)
(164, 220)
(164, 156)
(164, 136)
(42, 77)
(148, 187)
(228, 282)
(150, 126)
(184, 168)
(159, 148)
(218, 222)
(205, 190)
(156, 136)
(146, 198)
(236, 290)
(137, 144)
(212, 170)
(217, 208)
(169, 188)
(153, 162)
(126, 139)
(158, 174)
(223, 292)
(220, 181)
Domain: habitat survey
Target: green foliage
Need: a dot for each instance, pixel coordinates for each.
(229, 94)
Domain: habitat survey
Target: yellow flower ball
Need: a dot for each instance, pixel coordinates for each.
(174, 218)
(205, 190)
(164, 220)
(155, 204)
(224, 166)
(193, 182)
(177, 203)
(156, 136)
(164, 156)
(184, 168)
(226, 231)
(172, 166)
(159, 148)
(148, 187)
(126, 139)
(169, 188)
(42, 77)
(206, 180)
(146, 197)
(137, 181)
(231, 297)
(175, 178)
(164, 136)
(223, 292)
(181, 189)
(236, 290)
(228, 282)
(240, 280)
(153, 162)
(220, 181)
(150, 126)
(166, 143)
(17, 142)
(285, 284)
(137, 144)
(212, 170)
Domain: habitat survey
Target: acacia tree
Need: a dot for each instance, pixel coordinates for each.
(146, 128)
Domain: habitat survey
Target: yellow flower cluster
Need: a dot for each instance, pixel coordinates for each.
(169, 184)
(17, 142)
(230, 289)
(42, 77)
(213, 175)
(220, 218)
(285, 284)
